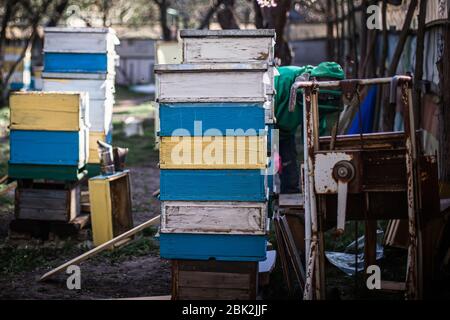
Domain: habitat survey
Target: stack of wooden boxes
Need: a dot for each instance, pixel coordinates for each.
(214, 108)
(83, 59)
(49, 148)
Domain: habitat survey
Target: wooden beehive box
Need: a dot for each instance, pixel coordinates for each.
(218, 46)
(214, 82)
(82, 40)
(49, 111)
(47, 201)
(214, 217)
(214, 280)
(110, 198)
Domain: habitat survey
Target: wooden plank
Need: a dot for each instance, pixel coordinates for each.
(79, 62)
(213, 217)
(227, 49)
(291, 200)
(211, 119)
(213, 185)
(101, 247)
(213, 152)
(121, 207)
(100, 115)
(48, 147)
(212, 294)
(213, 279)
(392, 286)
(49, 111)
(207, 246)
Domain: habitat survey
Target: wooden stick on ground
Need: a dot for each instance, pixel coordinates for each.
(101, 247)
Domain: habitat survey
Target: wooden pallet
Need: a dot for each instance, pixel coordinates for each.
(49, 230)
(214, 280)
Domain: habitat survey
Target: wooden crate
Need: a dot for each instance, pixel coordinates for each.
(214, 82)
(228, 45)
(110, 198)
(214, 280)
(213, 185)
(54, 148)
(214, 217)
(82, 40)
(55, 111)
(47, 201)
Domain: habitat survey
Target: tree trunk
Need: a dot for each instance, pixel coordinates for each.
(165, 31)
(59, 12)
(5, 20)
(225, 16)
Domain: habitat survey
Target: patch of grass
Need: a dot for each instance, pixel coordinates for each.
(141, 148)
(143, 110)
(15, 260)
(123, 93)
(138, 248)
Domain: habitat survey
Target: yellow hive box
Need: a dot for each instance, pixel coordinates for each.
(110, 198)
(93, 149)
(213, 152)
(49, 111)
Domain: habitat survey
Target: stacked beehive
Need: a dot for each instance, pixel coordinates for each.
(49, 149)
(83, 59)
(21, 77)
(213, 158)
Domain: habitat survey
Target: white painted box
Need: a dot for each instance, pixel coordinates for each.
(217, 46)
(100, 115)
(80, 40)
(214, 82)
(98, 89)
(243, 218)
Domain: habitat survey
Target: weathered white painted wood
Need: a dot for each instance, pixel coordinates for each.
(245, 82)
(234, 33)
(81, 40)
(98, 89)
(100, 115)
(213, 217)
(227, 49)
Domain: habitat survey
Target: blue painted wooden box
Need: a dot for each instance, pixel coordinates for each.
(48, 147)
(78, 62)
(198, 119)
(213, 185)
(207, 246)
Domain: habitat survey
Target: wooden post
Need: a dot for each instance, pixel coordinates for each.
(418, 75)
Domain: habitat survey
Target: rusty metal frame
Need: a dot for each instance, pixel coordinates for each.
(311, 145)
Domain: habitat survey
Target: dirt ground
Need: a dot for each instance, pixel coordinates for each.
(101, 277)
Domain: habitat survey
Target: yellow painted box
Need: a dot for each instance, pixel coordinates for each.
(110, 199)
(49, 111)
(217, 152)
(94, 158)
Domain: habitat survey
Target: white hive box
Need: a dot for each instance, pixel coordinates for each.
(214, 82)
(98, 89)
(80, 40)
(245, 218)
(218, 46)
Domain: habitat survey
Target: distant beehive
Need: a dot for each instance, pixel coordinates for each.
(21, 77)
(83, 59)
(49, 135)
